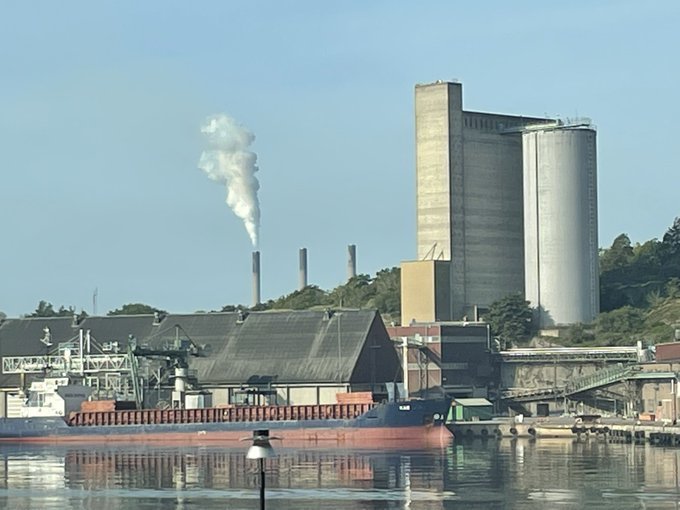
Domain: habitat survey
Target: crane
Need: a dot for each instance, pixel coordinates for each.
(176, 357)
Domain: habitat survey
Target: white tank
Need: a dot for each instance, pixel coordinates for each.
(560, 224)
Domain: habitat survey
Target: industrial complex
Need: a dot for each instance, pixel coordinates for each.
(505, 205)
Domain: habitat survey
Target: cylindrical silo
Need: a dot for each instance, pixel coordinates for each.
(560, 223)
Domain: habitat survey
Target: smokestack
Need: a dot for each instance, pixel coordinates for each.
(351, 261)
(256, 278)
(302, 283)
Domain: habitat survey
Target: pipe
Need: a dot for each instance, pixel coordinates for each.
(302, 281)
(80, 352)
(351, 261)
(256, 278)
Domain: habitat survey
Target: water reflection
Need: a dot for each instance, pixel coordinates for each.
(295, 479)
(493, 474)
(566, 473)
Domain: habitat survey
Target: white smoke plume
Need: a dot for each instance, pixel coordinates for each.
(228, 160)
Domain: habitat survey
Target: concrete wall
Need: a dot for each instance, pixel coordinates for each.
(302, 396)
(425, 291)
(543, 375)
(437, 107)
(327, 395)
(494, 233)
(560, 215)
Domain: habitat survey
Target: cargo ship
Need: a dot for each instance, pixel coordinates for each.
(56, 411)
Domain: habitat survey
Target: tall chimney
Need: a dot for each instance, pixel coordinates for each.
(351, 261)
(302, 282)
(256, 278)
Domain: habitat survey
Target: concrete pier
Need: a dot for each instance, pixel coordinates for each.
(610, 429)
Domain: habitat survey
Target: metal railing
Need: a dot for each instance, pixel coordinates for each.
(600, 378)
(567, 354)
(91, 363)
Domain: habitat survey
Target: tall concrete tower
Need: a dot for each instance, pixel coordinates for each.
(469, 197)
(560, 218)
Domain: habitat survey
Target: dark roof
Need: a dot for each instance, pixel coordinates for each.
(301, 346)
(281, 346)
(21, 337)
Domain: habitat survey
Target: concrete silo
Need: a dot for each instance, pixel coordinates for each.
(560, 223)
(469, 199)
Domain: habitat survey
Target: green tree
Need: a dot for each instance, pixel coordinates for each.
(647, 255)
(135, 309)
(46, 309)
(619, 327)
(671, 239)
(510, 318)
(618, 256)
(673, 287)
(387, 298)
(303, 299)
(579, 334)
(355, 293)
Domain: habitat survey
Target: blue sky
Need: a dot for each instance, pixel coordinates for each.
(101, 105)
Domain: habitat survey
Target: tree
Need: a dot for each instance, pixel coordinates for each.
(619, 327)
(648, 254)
(303, 299)
(578, 334)
(671, 239)
(135, 309)
(510, 318)
(387, 297)
(673, 288)
(618, 256)
(355, 293)
(46, 309)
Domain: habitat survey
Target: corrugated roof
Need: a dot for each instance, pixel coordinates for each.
(286, 346)
(280, 346)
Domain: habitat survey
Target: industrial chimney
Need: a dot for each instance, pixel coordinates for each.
(351, 261)
(256, 278)
(302, 282)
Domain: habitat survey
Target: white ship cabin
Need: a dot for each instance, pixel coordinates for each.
(54, 396)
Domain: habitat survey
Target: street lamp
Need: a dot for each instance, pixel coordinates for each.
(261, 449)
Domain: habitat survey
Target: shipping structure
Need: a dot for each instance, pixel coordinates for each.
(58, 410)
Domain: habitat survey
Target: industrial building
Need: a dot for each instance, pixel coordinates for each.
(451, 358)
(281, 357)
(478, 210)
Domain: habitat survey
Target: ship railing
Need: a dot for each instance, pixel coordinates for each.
(220, 414)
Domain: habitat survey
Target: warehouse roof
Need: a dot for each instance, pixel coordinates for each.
(276, 346)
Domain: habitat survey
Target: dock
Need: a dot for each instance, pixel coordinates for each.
(617, 430)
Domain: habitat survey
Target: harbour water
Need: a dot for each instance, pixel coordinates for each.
(505, 474)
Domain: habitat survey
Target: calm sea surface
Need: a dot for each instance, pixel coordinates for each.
(495, 474)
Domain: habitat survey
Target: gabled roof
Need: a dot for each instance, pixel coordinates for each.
(294, 347)
(21, 337)
(277, 346)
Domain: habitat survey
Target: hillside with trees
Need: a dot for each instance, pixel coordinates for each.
(639, 298)
(639, 293)
(382, 292)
